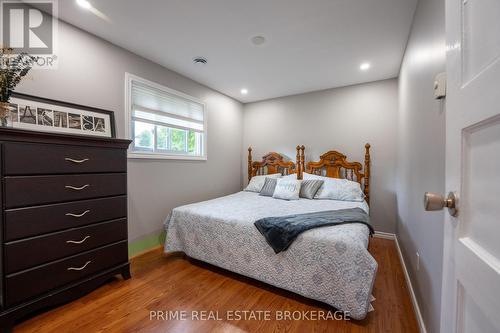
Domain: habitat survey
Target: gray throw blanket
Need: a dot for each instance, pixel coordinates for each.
(280, 232)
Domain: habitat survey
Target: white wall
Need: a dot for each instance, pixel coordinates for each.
(421, 156)
(342, 119)
(92, 72)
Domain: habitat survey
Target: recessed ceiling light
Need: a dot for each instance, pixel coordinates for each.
(365, 66)
(244, 91)
(258, 40)
(84, 4)
(200, 61)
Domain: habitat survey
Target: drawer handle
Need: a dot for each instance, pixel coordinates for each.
(78, 215)
(77, 188)
(78, 242)
(79, 268)
(77, 161)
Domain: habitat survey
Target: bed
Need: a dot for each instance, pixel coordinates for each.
(328, 264)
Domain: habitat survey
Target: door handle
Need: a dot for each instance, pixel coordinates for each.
(433, 201)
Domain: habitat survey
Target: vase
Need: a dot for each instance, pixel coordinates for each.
(5, 115)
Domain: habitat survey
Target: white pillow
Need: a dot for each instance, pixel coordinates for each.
(257, 182)
(291, 176)
(337, 189)
(287, 189)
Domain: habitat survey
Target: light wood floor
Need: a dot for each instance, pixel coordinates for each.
(175, 283)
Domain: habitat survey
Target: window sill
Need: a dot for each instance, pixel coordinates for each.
(153, 156)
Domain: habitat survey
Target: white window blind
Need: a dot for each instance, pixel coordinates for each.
(165, 122)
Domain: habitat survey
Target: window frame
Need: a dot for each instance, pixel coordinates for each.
(129, 123)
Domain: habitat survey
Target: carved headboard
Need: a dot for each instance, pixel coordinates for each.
(334, 164)
(275, 163)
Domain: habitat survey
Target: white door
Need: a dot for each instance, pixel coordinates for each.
(471, 266)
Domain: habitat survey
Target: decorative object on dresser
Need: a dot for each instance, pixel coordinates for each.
(46, 115)
(64, 218)
(14, 67)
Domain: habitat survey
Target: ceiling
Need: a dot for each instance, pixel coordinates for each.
(310, 44)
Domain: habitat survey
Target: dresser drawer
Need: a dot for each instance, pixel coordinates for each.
(35, 251)
(34, 190)
(32, 159)
(29, 283)
(32, 221)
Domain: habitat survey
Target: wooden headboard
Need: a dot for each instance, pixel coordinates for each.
(334, 164)
(275, 163)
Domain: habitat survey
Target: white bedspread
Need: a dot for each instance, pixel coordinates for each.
(329, 264)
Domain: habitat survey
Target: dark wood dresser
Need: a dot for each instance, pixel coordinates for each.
(63, 220)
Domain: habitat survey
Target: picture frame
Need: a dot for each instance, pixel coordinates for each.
(47, 115)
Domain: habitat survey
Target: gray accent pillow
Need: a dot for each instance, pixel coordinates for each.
(256, 183)
(309, 187)
(269, 186)
(287, 189)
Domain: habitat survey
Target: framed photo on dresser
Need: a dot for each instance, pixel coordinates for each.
(46, 115)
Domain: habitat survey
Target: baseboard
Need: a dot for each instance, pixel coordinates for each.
(138, 254)
(145, 243)
(413, 297)
(385, 235)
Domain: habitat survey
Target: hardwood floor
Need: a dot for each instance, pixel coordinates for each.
(176, 283)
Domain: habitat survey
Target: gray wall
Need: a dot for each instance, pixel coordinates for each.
(342, 119)
(92, 72)
(421, 154)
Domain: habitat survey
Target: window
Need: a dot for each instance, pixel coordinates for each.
(164, 123)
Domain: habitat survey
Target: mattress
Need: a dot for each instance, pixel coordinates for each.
(329, 264)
